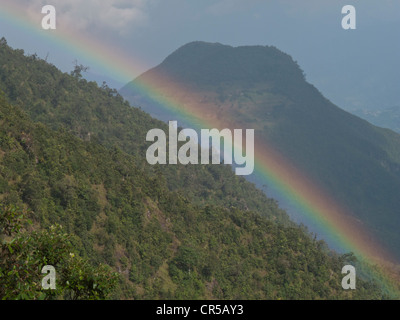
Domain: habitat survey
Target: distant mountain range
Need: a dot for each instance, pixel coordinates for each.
(260, 87)
(385, 118)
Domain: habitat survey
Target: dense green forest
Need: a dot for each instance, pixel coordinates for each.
(263, 88)
(71, 154)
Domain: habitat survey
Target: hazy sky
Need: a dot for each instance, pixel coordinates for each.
(354, 68)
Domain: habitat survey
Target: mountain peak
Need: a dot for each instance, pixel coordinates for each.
(206, 63)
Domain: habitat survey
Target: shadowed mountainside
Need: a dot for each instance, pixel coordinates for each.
(258, 87)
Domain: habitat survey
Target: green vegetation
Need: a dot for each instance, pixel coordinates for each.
(24, 253)
(72, 154)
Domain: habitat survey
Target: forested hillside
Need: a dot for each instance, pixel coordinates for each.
(72, 154)
(80, 107)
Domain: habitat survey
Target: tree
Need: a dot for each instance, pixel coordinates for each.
(24, 253)
(78, 69)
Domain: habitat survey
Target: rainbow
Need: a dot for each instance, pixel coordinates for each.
(270, 167)
(274, 170)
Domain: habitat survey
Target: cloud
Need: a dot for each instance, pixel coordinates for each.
(226, 7)
(98, 16)
(371, 9)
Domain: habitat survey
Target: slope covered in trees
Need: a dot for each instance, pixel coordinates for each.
(223, 239)
(80, 107)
